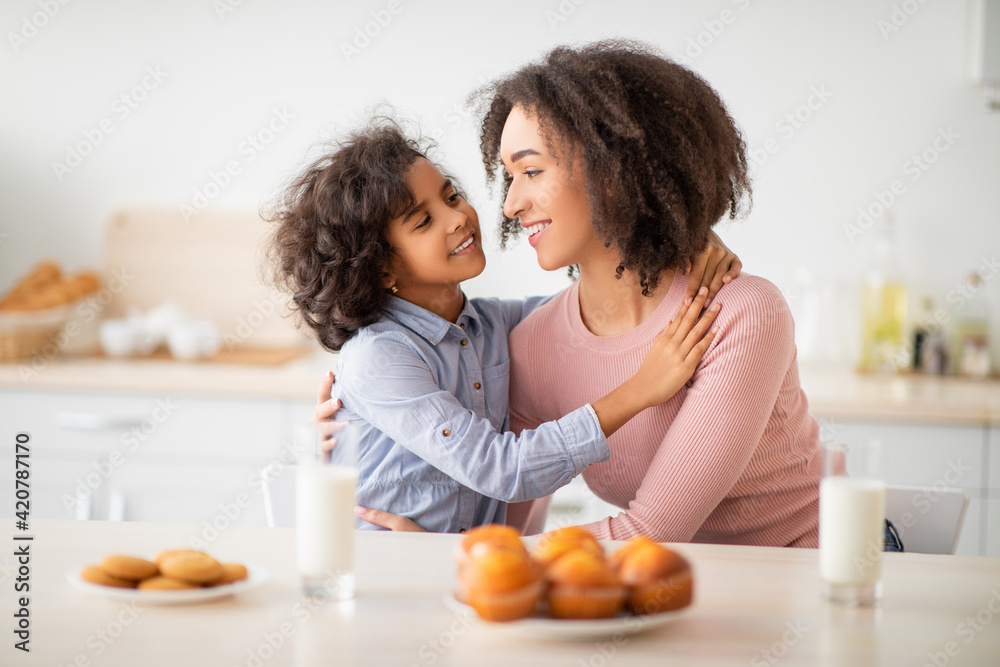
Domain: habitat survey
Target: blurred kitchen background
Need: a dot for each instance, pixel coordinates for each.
(140, 140)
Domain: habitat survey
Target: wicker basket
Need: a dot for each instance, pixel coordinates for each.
(23, 334)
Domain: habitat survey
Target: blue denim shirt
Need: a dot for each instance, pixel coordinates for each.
(432, 400)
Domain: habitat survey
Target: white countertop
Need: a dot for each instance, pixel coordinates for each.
(297, 379)
(747, 599)
(844, 393)
(832, 392)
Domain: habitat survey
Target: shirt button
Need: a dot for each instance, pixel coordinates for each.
(477, 386)
(464, 342)
(462, 326)
(446, 432)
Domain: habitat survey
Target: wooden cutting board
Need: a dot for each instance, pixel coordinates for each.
(241, 355)
(211, 266)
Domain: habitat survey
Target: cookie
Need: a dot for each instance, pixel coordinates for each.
(174, 552)
(231, 572)
(161, 583)
(128, 567)
(96, 575)
(196, 568)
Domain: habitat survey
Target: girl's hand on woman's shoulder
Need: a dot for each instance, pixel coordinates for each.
(713, 268)
(676, 350)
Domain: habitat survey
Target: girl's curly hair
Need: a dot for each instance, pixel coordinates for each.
(329, 248)
(663, 158)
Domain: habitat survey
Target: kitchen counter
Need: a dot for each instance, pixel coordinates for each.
(832, 392)
(297, 379)
(844, 393)
(752, 605)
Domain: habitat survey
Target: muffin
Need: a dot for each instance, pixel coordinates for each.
(583, 585)
(552, 546)
(501, 583)
(491, 533)
(478, 539)
(658, 579)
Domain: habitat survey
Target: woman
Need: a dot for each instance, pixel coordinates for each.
(619, 162)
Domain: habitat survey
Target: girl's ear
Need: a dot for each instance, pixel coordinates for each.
(389, 278)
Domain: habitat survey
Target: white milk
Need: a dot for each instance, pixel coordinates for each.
(851, 530)
(325, 519)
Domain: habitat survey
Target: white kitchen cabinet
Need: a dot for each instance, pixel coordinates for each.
(992, 541)
(991, 535)
(993, 454)
(53, 490)
(920, 454)
(209, 496)
(143, 458)
(296, 413)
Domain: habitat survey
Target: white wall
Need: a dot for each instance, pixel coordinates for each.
(227, 71)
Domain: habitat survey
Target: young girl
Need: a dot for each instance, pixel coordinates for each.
(374, 241)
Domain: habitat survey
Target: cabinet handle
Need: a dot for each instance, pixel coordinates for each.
(116, 508)
(83, 506)
(92, 421)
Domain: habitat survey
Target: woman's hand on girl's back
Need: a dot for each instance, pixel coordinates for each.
(326, 410)
(713, 268)
(393, 522)
(676, 350)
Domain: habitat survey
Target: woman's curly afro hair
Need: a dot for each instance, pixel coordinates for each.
(329, 248)
(664, 160)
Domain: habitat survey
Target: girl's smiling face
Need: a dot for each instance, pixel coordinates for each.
(436, 243)
(550, 202)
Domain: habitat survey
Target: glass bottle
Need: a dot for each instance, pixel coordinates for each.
(971, 345)
(883, 345)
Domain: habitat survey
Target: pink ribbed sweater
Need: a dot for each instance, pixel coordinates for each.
(732, 458)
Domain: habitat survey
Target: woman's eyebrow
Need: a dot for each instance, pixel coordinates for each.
(524, 152)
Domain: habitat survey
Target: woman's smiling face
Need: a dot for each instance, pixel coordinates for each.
(548, 200)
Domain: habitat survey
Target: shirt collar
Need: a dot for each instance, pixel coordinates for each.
(425, 323)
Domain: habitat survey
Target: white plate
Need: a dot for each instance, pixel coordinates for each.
(255, 576)
(537, 627)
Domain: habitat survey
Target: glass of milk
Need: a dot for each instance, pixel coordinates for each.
(851, 523)
(325, 519)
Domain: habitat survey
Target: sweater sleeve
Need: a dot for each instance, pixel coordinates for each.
(718, 427)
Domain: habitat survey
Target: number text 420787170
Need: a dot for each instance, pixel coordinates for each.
(22, 541)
